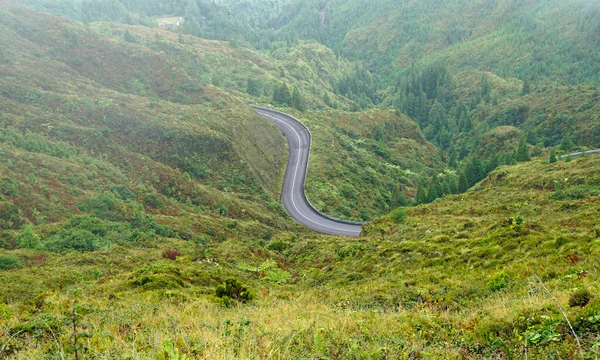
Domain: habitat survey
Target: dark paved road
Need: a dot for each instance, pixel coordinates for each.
(293, 197)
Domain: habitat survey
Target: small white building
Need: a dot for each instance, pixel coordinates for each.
(166, 24)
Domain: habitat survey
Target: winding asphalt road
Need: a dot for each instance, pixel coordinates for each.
(293, 197)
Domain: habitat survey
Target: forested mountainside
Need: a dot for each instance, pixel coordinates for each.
(139, 193)
(525, 39)
(459, 69)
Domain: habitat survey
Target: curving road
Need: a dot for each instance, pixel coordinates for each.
(293, 197)
(583, 153)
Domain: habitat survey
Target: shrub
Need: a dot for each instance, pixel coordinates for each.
(9, 187)
(152, 200)
(29, 239)
(398, 215)
(89, 223)
(279, 245)
(158, 276)
(268, 235)
(233, 290)
(222, 210)
(9, 262)
(498, 282)
(122, 192)
(171, 253)
(9, 216)
(7, 240)
(581, 298)
(186, 234)
(101, 206)
(576, 192)
(560, 241)
(278, 276)
(74, 239)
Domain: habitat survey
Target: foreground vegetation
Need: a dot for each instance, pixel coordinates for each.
(139, 212)
(478, 275)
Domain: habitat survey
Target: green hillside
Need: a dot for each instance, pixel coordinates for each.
(139, 192)
(466, 276)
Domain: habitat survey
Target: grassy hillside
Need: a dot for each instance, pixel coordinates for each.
(78, 138)
(463, 277)
(365, 163)
(139, 211)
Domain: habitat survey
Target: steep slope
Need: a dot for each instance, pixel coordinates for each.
(111, 127)
(365, 163)
(514, 38)
(463, 277)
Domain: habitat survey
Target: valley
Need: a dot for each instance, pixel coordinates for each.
(148, 211)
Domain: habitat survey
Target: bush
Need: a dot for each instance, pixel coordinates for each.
(171, 253)
(498, 282)
(9, 262)
(74, 239)
(278, 276)
(101, 206)
(122, 192)
(580, 298)
(279, 245)
(29, 239)
(152, 200)
(9, 216)
(7, 240)
(186, 234)
(158, 276)
(268, 235)
(233, 290)
(398, 215)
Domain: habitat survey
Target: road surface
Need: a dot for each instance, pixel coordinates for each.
(589, 152)
(293, 197)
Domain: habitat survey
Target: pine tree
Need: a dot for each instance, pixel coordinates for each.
(128, 37)
(453, 186)
(566, 144)
(297, 100)
(463, 183)
(526, 89)
(180, 39)
(282, 96)
(421, 197)
(253, 87)
(435, 190)
(468, 124)
(531, 137)
(523, 151)
(492, 163)
(437, 116)
(446, 187)
(445, 138)
(474, 171)
(552, 156)
(485, 88)
(507, 159)
(286, 97)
